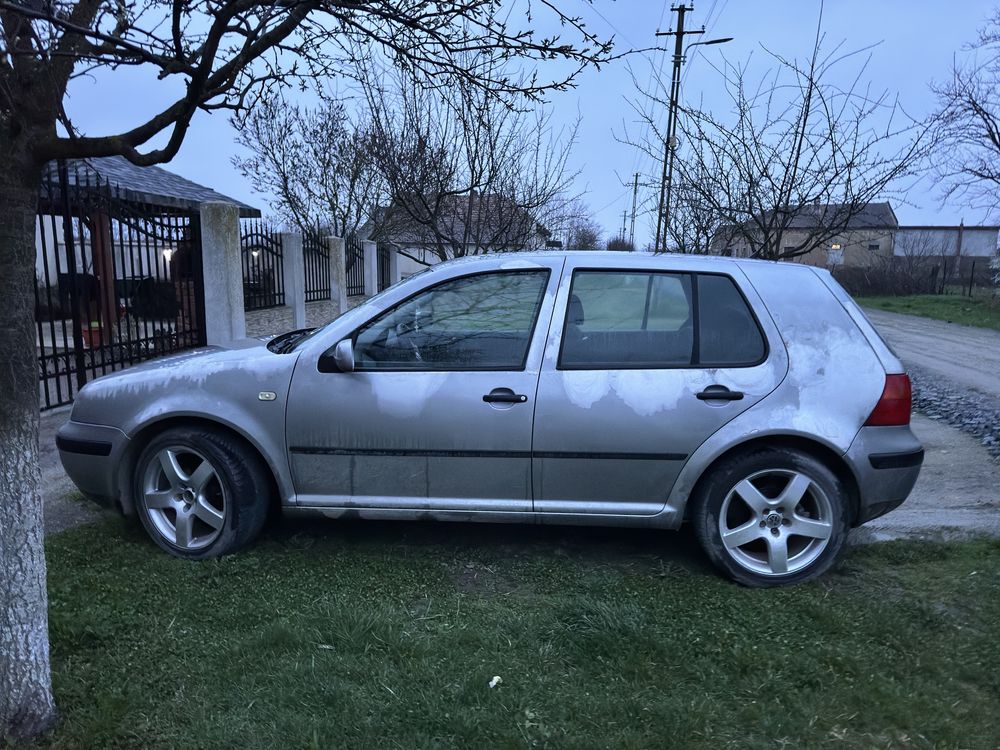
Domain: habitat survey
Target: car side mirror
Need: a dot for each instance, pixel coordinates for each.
(338, 359)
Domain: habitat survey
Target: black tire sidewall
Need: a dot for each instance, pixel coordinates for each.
(714, 489)
(241, 478)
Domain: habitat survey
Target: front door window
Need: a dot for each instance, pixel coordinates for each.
(481, 322)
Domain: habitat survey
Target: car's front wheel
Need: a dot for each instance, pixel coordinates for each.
(771, 517)
(200, 493)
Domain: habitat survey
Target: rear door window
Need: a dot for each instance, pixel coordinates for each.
(618, 319)
(654, 320)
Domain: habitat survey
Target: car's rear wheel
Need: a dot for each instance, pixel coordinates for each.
(200, 493)
(772, 517)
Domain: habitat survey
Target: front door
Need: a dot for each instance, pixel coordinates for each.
(648, 365)
(437, 414)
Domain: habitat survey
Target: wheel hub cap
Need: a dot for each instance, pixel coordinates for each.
(772, 520)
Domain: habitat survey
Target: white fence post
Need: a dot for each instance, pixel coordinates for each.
(338, 274)
(393, 265)
(222, 269)
(294, 270)
(371, 267)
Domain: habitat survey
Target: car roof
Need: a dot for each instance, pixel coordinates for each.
(611, 259)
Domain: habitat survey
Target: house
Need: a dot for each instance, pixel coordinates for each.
(868, 235)
(468, 224)
(946, 241)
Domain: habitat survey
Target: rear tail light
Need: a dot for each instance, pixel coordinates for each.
(893, 408)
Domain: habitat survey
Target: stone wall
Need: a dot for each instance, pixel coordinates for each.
(269, 322)
(320, 313)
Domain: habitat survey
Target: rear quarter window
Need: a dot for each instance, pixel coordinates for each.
(728, 331)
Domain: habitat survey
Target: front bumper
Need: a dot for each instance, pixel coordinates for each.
(91, 455)
(886, 462)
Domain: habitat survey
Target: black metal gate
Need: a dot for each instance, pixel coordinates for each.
(384, 271)
(117, 281)
(263, 265)
(317, 266)
(354, 260)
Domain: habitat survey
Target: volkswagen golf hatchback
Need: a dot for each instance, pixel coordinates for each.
(750, 399)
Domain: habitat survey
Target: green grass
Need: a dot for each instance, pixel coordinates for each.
(982, 311)
(386, 635)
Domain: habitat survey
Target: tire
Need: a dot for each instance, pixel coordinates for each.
(744, 517)
(200, 493)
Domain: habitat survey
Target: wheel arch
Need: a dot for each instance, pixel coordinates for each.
(144, 434)
(823, 453)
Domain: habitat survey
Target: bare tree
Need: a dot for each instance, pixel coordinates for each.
(218, 54)
(316, 162)
(466, 174)
(794, 151)
(967, 153)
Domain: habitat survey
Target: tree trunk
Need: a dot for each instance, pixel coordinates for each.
(26, 704)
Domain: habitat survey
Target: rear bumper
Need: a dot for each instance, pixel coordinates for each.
(886, 462)
(91, 454)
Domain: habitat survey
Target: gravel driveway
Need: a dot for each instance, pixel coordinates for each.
(962, 355)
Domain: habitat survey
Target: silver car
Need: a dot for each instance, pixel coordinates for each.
(749, 398)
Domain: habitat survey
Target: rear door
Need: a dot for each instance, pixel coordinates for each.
(644, 366)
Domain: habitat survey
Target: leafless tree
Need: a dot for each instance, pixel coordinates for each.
(466, 174)
(315, 162)
(967, 153)
(218, 54)
(794, 150)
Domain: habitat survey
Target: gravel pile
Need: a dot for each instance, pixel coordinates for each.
(968, 410)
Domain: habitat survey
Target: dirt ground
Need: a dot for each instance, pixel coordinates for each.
(957, 493)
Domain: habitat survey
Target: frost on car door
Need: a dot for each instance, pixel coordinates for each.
(437, 413)
(648, 365)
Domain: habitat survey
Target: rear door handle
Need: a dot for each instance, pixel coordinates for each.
(719, 393)
(504, 396)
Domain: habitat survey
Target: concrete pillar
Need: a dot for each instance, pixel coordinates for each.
(225, 319)
(338, 274)
(393, 265)
(371, 267)
(294, 269)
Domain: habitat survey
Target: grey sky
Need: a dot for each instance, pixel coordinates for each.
(916, 41)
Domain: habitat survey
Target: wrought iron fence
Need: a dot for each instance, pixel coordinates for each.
(354, 260)
(117, 281)
(384, 269)
(263, 268)
(317, 265)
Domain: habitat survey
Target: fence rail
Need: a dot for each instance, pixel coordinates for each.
(317, 266)
(263, 268)
(354, 260)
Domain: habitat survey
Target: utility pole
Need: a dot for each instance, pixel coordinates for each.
(635, 193)
(660, 245)
(624, 219)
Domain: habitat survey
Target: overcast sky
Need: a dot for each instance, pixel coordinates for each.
(916, 41)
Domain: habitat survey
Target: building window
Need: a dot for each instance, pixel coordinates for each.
(873, 247)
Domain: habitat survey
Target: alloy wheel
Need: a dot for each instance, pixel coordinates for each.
(184, 498)
(776, 522)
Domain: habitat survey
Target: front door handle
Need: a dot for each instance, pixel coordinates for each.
(719, 393)
(504, 396)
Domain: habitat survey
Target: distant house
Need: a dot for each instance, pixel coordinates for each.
(869, 233)
(947, 241)
(469, 224)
